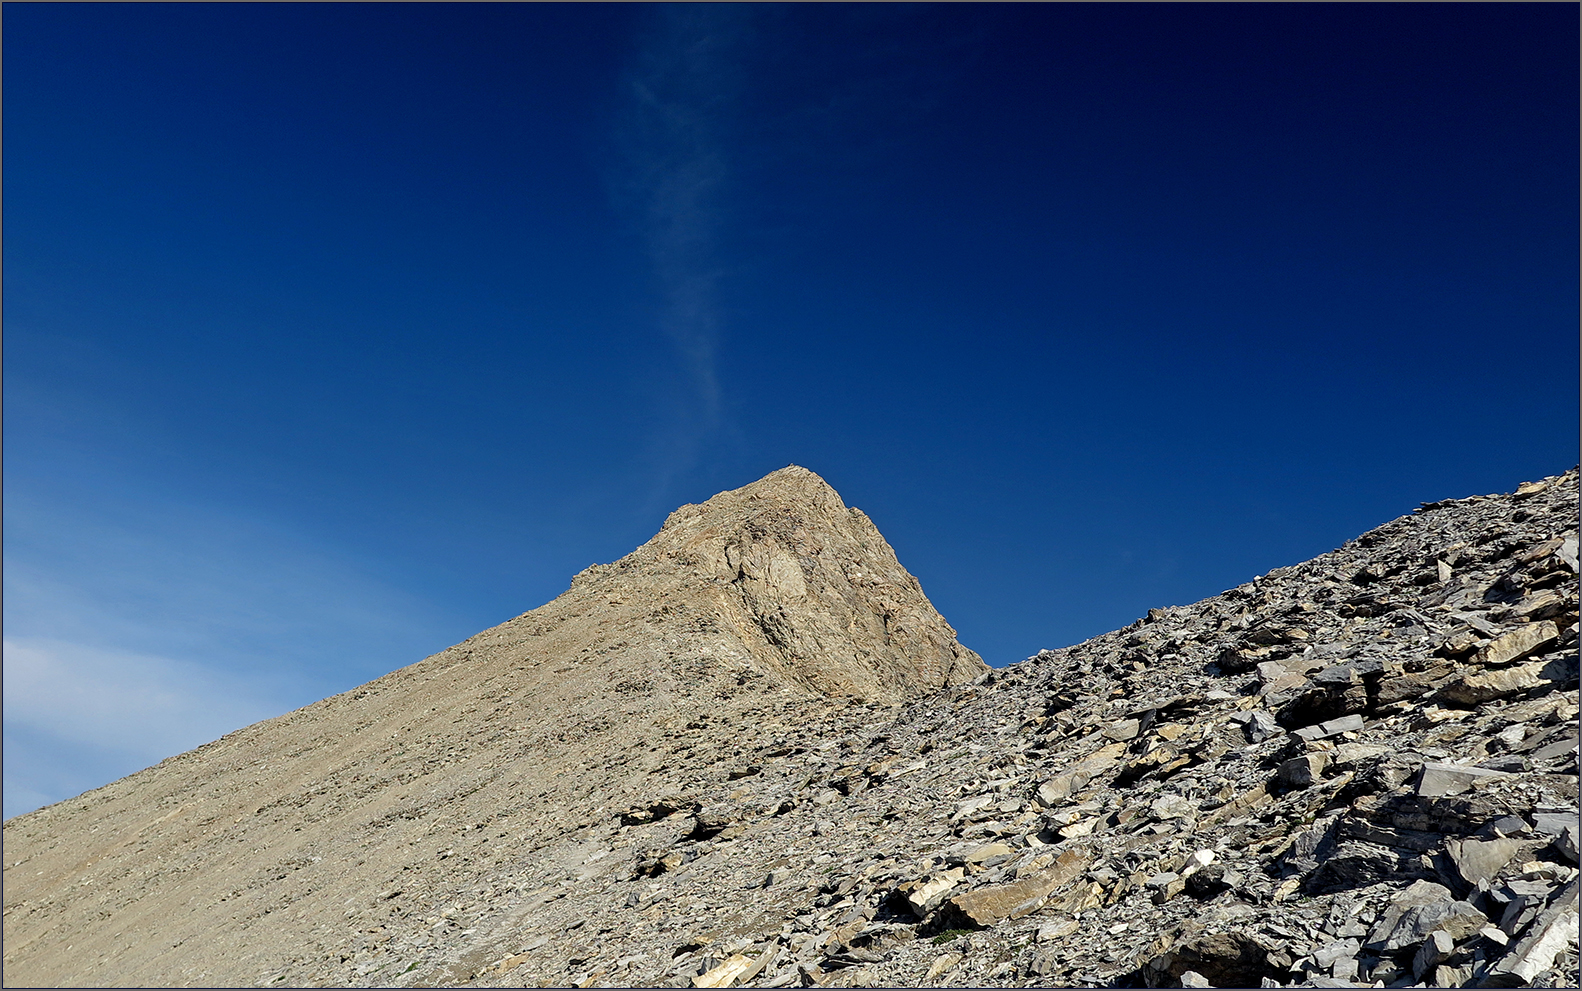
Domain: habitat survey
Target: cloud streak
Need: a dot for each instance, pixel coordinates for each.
(675, 139)
(141, 627)
(77, 716)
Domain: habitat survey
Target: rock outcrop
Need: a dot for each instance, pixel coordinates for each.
(733, 759)
(808, 588)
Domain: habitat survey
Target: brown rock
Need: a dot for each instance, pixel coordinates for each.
(1517, 644)
(808, 587)
(996, 903)
(1475, 689)
(923, 896)
(736, 969)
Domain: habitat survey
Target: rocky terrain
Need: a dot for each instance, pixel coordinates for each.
(751, 754)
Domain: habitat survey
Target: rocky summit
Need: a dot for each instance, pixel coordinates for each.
(751, 753)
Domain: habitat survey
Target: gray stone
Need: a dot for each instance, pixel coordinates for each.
(971, 805)
(1570, 842)
(1509, 826)
(1555, 929)
(1303, 771)
(1344, 969)
(1434, 951)
(1353, 864)
(1325, 956)
(1338, 676)
(1522, 909)
(1351, 756)
(1552, 750)
(1126, 729)
(1554, 823)
(1568, 553)
(1271, 671)
(1192, 979)
(1261, 725)
(1494, 934)
(1172, 807)
(1161, 880)
(1058, 929)
(1438, 780)
(1044, 961)
(1419, 910)
(1481, 860)
(1331, 727)
(1054, 791)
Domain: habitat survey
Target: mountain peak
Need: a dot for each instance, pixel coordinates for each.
(804, 588)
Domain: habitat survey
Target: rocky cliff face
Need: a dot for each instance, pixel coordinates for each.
(736, 757)
(805, 587)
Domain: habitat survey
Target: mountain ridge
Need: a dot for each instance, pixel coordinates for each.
(1239, 790)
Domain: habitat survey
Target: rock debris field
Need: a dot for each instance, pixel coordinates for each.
(752, 754)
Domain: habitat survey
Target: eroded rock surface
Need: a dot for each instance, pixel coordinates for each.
(1357, 771)
(807, 587)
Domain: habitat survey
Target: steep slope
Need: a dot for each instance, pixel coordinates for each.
(286, 844)
(808, 588)
(1360, 770)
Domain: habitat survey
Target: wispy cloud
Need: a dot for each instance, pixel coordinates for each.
(78, 716)
(139, 627)
(675, 143)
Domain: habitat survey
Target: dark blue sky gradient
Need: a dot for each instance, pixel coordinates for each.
(1091, 307)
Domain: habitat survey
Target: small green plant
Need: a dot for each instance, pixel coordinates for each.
(950, 934)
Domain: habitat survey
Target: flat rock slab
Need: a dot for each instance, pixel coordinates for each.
(996, 903)
(1475, 689)
(1438, 780)
(1553, 932)
(1480, 860)
(1331, 727)
(1517, 644)
(925, 896)
(736, 969)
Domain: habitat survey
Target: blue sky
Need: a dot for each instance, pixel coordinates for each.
(337, 333)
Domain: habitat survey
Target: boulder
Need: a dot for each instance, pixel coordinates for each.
(1479, 860)
(1418, 910)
